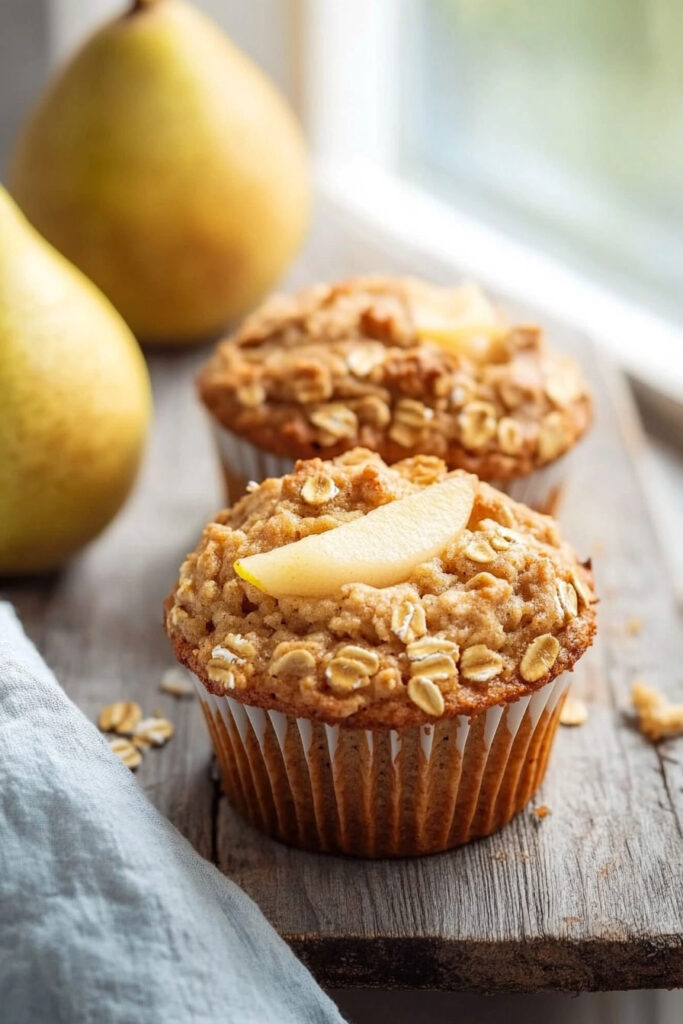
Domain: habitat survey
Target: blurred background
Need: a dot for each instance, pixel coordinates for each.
(540, 147)
(536, 147)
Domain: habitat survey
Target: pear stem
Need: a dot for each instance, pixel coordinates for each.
(142, 5)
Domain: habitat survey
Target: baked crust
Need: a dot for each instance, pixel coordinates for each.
(531, 590)
(338, 366)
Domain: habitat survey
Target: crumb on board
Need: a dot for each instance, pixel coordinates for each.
(177, 682)
(634, 625)
(542, 812)
(574, 711)
(658, 718)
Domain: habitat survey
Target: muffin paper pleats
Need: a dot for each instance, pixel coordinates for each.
(241, 462)
(383, 792)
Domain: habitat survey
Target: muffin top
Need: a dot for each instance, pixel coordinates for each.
(401, 367)
(503, 609)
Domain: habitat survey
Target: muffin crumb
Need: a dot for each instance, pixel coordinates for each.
(658, 718)
(574, 712)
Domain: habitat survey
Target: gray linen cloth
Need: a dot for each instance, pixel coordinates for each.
(106, 913)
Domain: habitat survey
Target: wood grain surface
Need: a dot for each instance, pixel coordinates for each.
(590, 897)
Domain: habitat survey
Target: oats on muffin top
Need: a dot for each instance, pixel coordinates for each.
(503, 609)
(401, 367)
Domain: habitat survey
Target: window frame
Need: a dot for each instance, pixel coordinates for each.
(350, 96)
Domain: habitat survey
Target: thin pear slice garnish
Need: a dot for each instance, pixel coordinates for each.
(460, 319)
(380, 549)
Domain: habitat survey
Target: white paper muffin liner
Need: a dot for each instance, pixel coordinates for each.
(383, 792)
(242, 461)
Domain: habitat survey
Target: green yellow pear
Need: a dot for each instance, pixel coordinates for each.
(74, 403)
(166, 166)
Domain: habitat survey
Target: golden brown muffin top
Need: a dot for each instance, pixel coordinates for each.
(357, 363)
(503, 610)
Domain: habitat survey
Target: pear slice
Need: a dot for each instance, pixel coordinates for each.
(460, 319)
(379, 549)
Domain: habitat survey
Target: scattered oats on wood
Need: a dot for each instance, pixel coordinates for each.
(426, 695)
(408, 621)
(319, 489)
(126, 752)
(479, 664)
(658, 718)
(120, 717)
(539, 657)
(574, 711)
(153, 732)
(177, 682)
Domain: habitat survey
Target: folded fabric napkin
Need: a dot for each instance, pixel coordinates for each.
(106, 913)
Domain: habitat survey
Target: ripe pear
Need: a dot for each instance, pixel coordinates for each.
(74, 403)
(166, 166)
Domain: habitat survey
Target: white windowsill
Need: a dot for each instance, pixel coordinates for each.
(402, 215)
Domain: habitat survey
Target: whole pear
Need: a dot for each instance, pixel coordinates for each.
(166, 166)
(74, 403)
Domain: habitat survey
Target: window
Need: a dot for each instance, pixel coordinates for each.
(561, 122)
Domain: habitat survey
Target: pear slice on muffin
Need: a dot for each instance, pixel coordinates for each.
(381, 548)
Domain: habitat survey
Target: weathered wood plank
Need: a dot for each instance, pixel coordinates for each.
(588, 898)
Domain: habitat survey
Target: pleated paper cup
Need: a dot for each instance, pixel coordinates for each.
(241, 461)
(382, 792)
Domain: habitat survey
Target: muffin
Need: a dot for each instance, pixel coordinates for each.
(401, 367)
(380, 720)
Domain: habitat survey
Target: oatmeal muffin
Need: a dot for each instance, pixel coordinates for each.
(383, 720)
(401, 367)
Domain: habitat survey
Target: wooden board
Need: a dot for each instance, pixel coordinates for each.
(591, 897)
